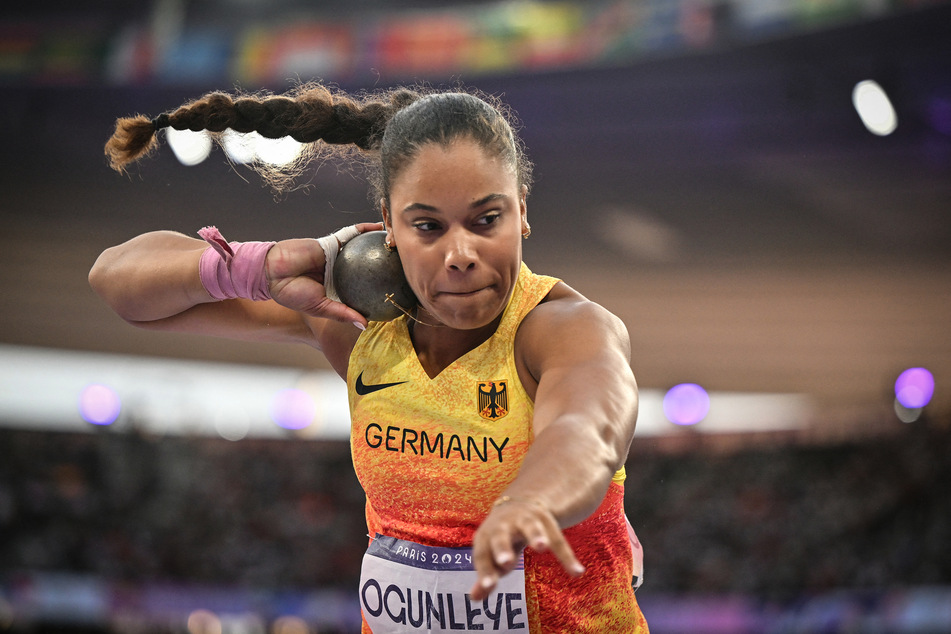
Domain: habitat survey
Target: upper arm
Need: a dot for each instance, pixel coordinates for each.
(585, 379)
(235, 319)
(265, 321)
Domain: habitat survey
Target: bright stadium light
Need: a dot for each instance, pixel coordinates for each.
(914, 387)
(277, 151)
(99, 404)
(190, 148)
(244, 148)
(686, 404)
(874, 108)
(239, 146)
(293, 409)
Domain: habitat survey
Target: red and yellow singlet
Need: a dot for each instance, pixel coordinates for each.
(432, 456)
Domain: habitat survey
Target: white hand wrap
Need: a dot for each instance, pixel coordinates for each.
(331, 245)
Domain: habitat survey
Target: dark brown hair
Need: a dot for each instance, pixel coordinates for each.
(387, 128)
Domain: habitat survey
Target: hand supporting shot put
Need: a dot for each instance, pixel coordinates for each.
(297, 275)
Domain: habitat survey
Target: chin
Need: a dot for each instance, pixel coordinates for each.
(467, 319)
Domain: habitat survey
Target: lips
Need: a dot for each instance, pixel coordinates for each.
(467, 293)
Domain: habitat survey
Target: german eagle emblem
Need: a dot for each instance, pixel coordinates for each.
(493, 400)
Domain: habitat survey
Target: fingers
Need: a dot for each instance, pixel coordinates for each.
(488, 572)
(307, 295)
(327, 308)
(347, 234)
(494, 553)
(483, 587)
(505, 532)
(363, 227)
(542, 534)
(340, 312)
(502, 552)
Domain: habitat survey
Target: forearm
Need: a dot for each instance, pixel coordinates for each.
(562, 481)
(151, 276)
(570, 465)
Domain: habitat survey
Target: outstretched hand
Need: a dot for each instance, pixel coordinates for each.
(510, 527)
(295, 274)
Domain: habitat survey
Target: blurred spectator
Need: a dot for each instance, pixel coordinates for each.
(771, 523)
(273, 514)
(782, 522)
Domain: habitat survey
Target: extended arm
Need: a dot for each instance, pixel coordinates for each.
(585, 413)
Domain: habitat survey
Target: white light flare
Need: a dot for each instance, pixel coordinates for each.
(244, 148)
(190, 148)
(874, 108)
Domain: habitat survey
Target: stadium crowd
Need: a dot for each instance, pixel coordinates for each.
(764, 522)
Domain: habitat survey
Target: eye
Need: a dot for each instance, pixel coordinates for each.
(426, 225)
(489, 218)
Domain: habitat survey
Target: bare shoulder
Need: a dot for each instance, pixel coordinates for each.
(565, 308)
(568, 328)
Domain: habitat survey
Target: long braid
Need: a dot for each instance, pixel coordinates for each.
(388, 128)
(312, 113)
(134, 138)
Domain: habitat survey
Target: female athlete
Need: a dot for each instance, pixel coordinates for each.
(491, 424)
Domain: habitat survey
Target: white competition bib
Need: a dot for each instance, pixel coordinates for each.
(407, 587)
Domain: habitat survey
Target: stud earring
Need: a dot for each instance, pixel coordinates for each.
(388, 245)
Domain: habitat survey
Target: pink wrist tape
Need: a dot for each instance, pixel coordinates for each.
(233, 269)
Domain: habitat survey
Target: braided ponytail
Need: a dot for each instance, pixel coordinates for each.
(134, 138)
(309, 114)
(388, 128)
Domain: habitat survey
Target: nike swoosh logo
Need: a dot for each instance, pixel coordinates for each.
(363, 389)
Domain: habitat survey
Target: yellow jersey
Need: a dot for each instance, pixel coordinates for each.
(432, 454)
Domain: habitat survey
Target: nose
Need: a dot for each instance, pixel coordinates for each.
(460, 251)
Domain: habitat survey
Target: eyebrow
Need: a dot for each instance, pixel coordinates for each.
(474, 205)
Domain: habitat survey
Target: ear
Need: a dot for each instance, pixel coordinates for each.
(523, 210)
(387, 224)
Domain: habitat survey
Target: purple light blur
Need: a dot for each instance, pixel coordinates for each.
(914, 387)
(99, 404)
(939, 112)
(293, 409)
(686, 404)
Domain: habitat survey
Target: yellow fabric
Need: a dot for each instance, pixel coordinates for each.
(619, 476)
(433, 454)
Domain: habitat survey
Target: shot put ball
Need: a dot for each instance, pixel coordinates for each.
(366, 273)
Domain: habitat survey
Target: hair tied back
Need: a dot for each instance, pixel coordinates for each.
(161, 121)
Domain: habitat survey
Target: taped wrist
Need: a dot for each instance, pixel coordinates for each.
(230, 270)
(331, 245)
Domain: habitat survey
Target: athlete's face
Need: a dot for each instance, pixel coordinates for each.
(456, 215)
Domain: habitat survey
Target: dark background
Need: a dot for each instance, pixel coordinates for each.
(727, 203)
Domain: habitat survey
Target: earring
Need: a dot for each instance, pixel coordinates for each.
(527, 232)
(388, 246)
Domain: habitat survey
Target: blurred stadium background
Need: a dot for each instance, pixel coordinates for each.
(704, 168)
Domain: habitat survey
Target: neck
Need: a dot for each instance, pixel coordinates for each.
(438, 346)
